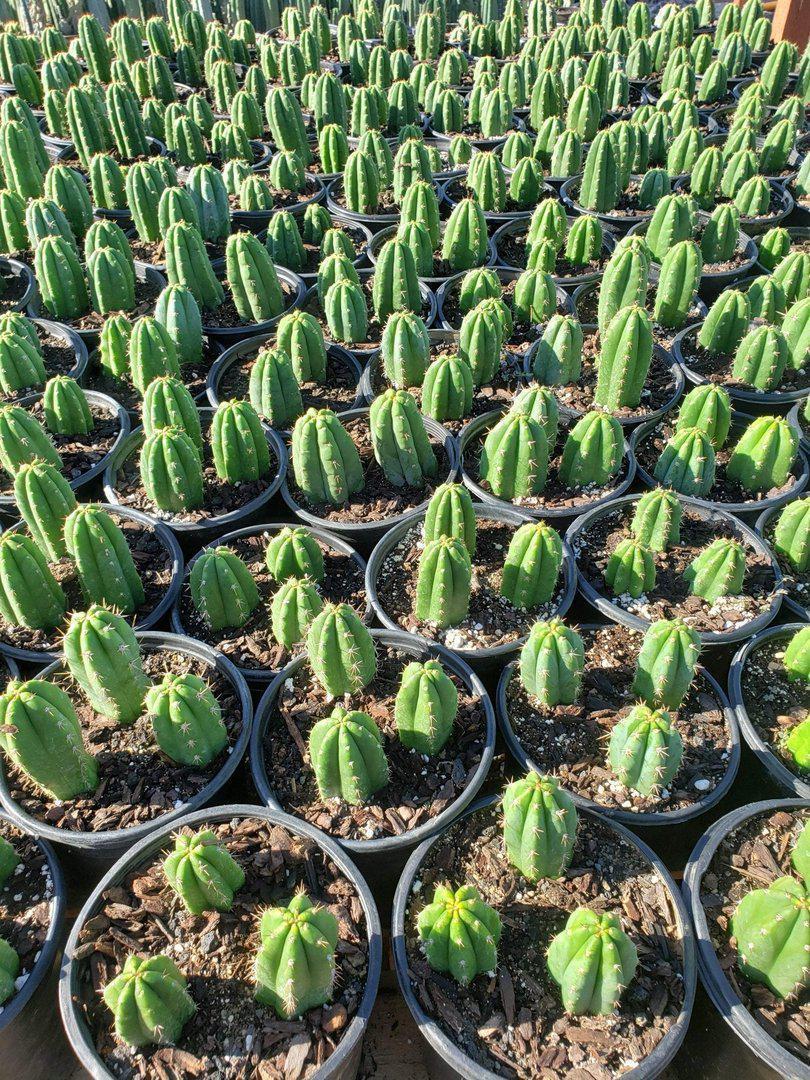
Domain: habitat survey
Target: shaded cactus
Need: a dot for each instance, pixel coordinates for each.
(532, 568)
(708, 408)
(539, 403)
(552, 663)
(341, 650)
(460, 933)
(687, 463)
(150, 1001)
(325, 461)
(273, 389)
(60, 278)
(797, 656)
(657, 519)
(630, 570)
(593, 451)
(425, 707)
(764, 454)
(21, 363)
(202, 872)
(44, 499)
(23, 440)
(592, 961)
(187, 720)
(540, 826)
(557, 358)
(9, 860)
(239, 444)
(295, 965)
(171, 470)
(168, 403)
(395, 285)
(666, 663)
(791, 534)
(399, 439)
(187, 264)
(222, 588)
(178, 311)
(252, 279)
(645, 750)
(444, 582)
(347, 756)
(30, 596)
(481, 339)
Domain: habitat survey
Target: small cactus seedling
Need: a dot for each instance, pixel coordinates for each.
(103, 656)
(347, 756)
(450, 513)
(341, 650)
(630, 570)
(443, 583)
(645, 750)
(687, 463)
(222, 588)
(187, 720)
(9, 970)
(532, 567)
(592, 961)
(150, 1001)
(764, 454)
(797, 656)
(202, 872)
(551, 663)
(9, 860)
(717, 571)
(294, 552)
(707, 408)
(425, 707)
(294, 607)
(295, 965)
(460, 933)
(540, 826)
(657, 519)
(791, 535)
(666, 663)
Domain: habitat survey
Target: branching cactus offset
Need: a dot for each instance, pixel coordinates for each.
(551, 664)
(791, 535)
(450, 512)
(657, 519)
(238, 443)
(203, 873)
(102, 654)
(103, 561)
(557, 357)
(45, 499)
(222, 588)
(666, 664)
(763, 457)
(687, 463)
(347, 756)
(444, 582)
(717, 571)
(295, 966)
(325, 461)
(677, 284)
(150, 1001)
(630, 570)
(761, 358)
(425, 707)
(540, 826)
(341, 650)
(708, 408)
(593, 451)
(460, 933)
(405, 350)
(273, 388)
(592, 961)
(797, 656)
(294, 607)
(187, 720)
(624, 359)
(401, 443)
(30, 595)
(532, 568)
(645, 750)
(514, 458)
(41, 734)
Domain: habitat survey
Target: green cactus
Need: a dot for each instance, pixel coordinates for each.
(23, 440)
(450, 513)
(465, 241)
(539, 403)
(687, 463)
(625, 359)
(725, 323)
(673, 220)
(168, 403)
(460, 933)
(443, 582)
(44, 499)
(481, 339)
(150, 1001)
(721, 235)
(764, 455)
(9, 860)
(345, 311)
(657, 519)
(65, 407)
(60, 278)
(630, 570)
(717, 571)
(239, 444)
(761, 358)
(447, 390)
(294, 552)
(399, 439)
(21, 363)
(203, 873)
(347, 756)
(294, 607)
(325, 461)
(540, 826)
(551, 664)
(593, 451)
(187, 264)
(592, 961)
(514, 457)
(599, 190)
(300, 336)
(171, 470)
(30, 596)
(341, 650)
(103, 656)
(534, 299)
(295, 965)
(395, 285)
(151, 353)
(791, 534)
(645, 750)
(625, 281)
(797, 657)
(9, 968)
(677, 284)
(42, 736)
(273, 389)
(361, 183)
(252, 279)
(557, 358)
(773, 246)
(187, 720)
(222, 588)
(532, 568)
(708, 408)
(103, 561)
(666, 663)
(425, 707)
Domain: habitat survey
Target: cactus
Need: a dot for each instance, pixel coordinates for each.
(187, 264)
(624, 282)
(326, 464)
(539, 403)
(753, 199)
(103, 656)
(150, 1001)
(23, 440)
(465, 242)
(21, 364)
(425, 707)
(399, 439)
(295, 965)
(178, 312)
(444, 582)
(9, 967)
(460, 933)
(222, 588)
(599, 190)
(687, 463)
(763, 456)
(645, 750)
(60, 278)
(65, 407)
(450, 513)
(187, 720)
(540, 826)
(557, 358)
(361, 183)
(773, 246)
(171, 470)
(252, 279)
(717, 571)
(592, 961)
(9, 860)
(708, 408)
(300, 336)
(666, 663)
(294, 552)
(151, 353)
(677, 284)
(797, 656)
(593, 451)
(104, 563)
(395, 285)
(625, 359)
(551, 664)
(630, 570)
(514, 457)
(294, 607)
(167, 403)
(203, 873)
(341, 650)
(673, 220)
(791, 534)
(657, 519)
(534, 299)
(793, 274)
(721, 235)
(532, 567)
(30, 596)
(347, 756)
(405, 350)
(447, 390)
(45, 499)
(761, 358)
(239, 445)
(481, 339)
(725, 323)
(273, 390)
(345, 311)
(41, 734)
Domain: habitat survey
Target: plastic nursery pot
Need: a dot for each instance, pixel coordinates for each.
(207, 526)
(796, 417)
(672, 832)
(619, 224)
(49, 328)
(18, 278)
(390, 232)
(733, 1035)
(340, 1065)
(229, 335)
(32, 1010)
(373, 222)
(448, 287)
(750, 509)
(452, 171)
(785, 779)
(520, 228)
(479, 141)
(143, 273)
(53, 143)
(93, 849)
(363, 535)
(455, 190)
(715, 281)
(711, 514)
(553, 514)
(256, 220)
(765, 519)
(444, 1058)
(481, 659)
(8, 503)
(310, 277)
(753, 226)
(260, 676)
(773, 399)
(582, 292)
(381, 860)
(373, 375)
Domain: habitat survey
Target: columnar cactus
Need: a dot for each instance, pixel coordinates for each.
(532, 567)
(447, 390)
(294, 607)
(9, 969)
(534, 299)
(30, 596)
(645, 750)
(44, 499)
(625, 281)
(666, 664)
(187, 264)
(592, 961)
(345, 310)
(514, 457)
(725, 323)
(326, 464)
(761, 358)
(60, 278)
(673, 220)
(401, 444)
(797, 656)
(599, 190)
(300, 336)
(460, 933)
(103, 656)
(551, 664)
(65, 407)
(593, 451)
(624, 360)
(657, 519)
(557, 357)
(540, 826)
(295, 966)
(677, 284)
(361, 183)
(150, 1001)
(450, 512)
(187, 720)
(168, 403)
(707, 407)
(222, 588)
(717, 571)
(481, 338)
(252, 278)
(395, 285)
(687, 463)
(273, 389)
(425, 707)
(443, 582)
(203, 873)
(340, 650)
(103, 561)
(630, 570)
(791, 534)
(347, 756)
(763, 456)
(9, 860)
(23, 440)
(239, 445)
(465, 242)
(21, 363)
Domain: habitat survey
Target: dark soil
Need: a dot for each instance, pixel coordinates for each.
(227, 316)
(492, 619)
(627, 206)
(670, 599)
(378, 500)
(513, 251)
(775, 704)
(523, 335)
(571, 741)
(59, 358)
(338, 392)
(387, 203)
(146, 293)
(152, 561)
(12, 290)
(137, 782)
(231, 1035)
(751, 857)
(154, 254)
(512, 1021)
(375, 328)
(418, 790)
(253, 645)
(716, 368)
(284, 199)
(587, 311)
(457, 190)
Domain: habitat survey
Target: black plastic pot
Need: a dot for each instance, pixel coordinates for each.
(260, 677)
(363, 535)
(553, 514)
(103, 848)
(206, 527)
(345, 1061)
(774, 399)
(310, 277)
(794, 606)
(229, 335)
(747, 511)
(13, 269)
(517, 228)
(672, 833)
(455, 190)
(67, 153)
(373, 222)
(71, 338)
(715, 281)
(381, 860)
(445, 1060)
(390, 232)
(740, 1042)
(371, 372)
(592, 286)
(564, 302)
(786, 780)
(795, 416)
(256, 220)
(90, 338)
(483, 659)
(619, 224)
(479, 142)
(796, 232)
(746, 536)
(753, 226)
